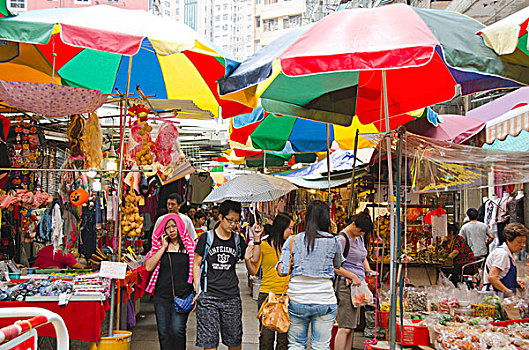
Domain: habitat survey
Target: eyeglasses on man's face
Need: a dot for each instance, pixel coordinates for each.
(231, 221)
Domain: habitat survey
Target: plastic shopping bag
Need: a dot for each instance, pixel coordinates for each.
(361, 295)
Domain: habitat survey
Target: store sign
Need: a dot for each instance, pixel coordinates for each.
(110, 269)
(407, 196)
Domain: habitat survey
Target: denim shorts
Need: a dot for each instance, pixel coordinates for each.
(216, 314)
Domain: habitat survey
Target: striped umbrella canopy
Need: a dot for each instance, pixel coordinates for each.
(266, 131)
(251, 188)
(508, 37)
(423, 53)
(91, 47)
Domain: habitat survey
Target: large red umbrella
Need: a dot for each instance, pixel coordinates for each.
(334, 69)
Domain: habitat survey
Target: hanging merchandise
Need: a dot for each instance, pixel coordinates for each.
(28, 225)
(75, 133)
(166, 147)
(140, 143)
(70, 226)
(56, 225)
(88, 230)
(93, 142)
(79, 197)
(200, 185)
(132, 222)
(44, 229)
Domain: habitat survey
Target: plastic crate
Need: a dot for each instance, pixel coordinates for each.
(509, 322)
(383, 319)
(413, 335)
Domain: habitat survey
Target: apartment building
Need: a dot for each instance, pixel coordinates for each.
(28, 5)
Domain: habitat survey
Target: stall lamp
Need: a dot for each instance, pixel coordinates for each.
(96, 185)
(111, 163)
(91, 173)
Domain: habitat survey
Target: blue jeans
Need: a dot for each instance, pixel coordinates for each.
(320, 317)
(171, 325)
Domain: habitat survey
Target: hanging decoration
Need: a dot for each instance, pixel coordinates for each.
(93, 142)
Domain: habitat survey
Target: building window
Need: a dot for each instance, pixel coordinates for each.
(225, 6)
(270, 2)
(17, 4)
(271, 24)
(225, 16)
(225, 27)
(177, 11)
(291, 21)
(258, 22)
(217, 18)
(78, 2)
(167, 4)
(191, 13)
(167, 13)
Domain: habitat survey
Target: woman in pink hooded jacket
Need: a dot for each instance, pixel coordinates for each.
(171, 260)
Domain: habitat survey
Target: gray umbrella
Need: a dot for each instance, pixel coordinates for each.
(251, 188)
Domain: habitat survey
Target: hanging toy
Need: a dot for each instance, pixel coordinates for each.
(141, 132)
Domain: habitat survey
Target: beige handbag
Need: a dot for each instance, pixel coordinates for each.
(274, 311)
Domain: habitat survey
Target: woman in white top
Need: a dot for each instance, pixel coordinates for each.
(316, 255)
(500, 268)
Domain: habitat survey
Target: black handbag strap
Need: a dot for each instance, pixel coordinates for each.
(171, 267)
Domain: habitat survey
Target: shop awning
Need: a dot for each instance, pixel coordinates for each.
(511, 123)
(340, 160)
(511, 143)
(453, 128)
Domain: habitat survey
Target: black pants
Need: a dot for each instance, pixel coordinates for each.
(171, 325)
(267, 338)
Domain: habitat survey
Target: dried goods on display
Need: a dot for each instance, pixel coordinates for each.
(131, 221)
(141, 141)
(93, 142)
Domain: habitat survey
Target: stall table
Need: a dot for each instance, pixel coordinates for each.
(83, 319)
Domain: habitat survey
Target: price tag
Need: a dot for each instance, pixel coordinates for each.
(63, 299)
(110, 269)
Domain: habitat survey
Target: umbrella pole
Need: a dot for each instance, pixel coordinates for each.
(117, 226)
(264, 162)
(391, 200)
(329, 166)
(353, 175)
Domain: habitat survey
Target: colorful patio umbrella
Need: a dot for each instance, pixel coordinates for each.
(90, 47)
(508, 37)
(266, 131)
(423, 53)
(50, 99)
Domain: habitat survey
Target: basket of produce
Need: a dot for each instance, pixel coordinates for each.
(413, 334)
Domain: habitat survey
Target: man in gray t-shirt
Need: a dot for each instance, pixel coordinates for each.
(477, 234)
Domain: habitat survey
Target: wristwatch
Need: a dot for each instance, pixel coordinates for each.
(257, 243)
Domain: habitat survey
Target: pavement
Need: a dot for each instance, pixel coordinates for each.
(145, 334)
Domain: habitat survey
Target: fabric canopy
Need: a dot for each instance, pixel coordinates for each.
(453, 128)
(332, 70)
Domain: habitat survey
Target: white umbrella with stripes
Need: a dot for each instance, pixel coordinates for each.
(251, 188)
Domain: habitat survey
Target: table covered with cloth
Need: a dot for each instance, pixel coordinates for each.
(83, 319)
